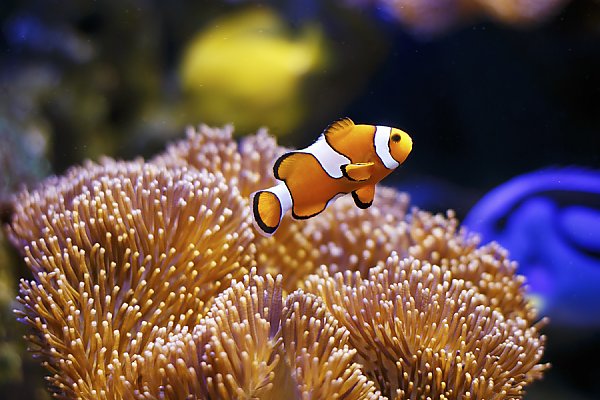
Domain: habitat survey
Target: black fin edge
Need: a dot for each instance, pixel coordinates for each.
(299, 217)
(267, 229)
(345, 174)
(335, 122)
(278, 163)
(296, 216)
(359, 203)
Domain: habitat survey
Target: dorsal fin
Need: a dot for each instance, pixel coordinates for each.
(286, 164)
(337, 129)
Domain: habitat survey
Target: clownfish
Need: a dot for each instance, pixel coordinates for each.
(346, 158)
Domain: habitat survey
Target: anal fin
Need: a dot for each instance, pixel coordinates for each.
(307, 211)
(358, 171)
(363, 197)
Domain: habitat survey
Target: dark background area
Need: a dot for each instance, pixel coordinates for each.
(488, 102)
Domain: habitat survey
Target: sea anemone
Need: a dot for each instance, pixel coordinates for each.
(247, 165)
(149, 282)
(255, 344)
(118, 249)
(422, 333)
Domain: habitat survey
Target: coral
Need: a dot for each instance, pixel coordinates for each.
(438, 240)
(247, 165)
(253, 344)
(429, 17)
(345, 237)
(421, 332)
(119, 249)
(149, 282)
(520, 11)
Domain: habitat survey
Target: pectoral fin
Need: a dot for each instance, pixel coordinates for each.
(363, 197)
(358, 171)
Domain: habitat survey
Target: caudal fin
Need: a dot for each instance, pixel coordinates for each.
(267, 211)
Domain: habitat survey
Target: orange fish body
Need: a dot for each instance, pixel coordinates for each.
(346, 158)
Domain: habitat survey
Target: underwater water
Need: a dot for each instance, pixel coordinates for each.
(501, 99)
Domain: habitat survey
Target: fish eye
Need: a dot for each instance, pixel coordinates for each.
(396, 137)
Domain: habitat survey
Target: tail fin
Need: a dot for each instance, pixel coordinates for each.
(267, 212)
(268, 208)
